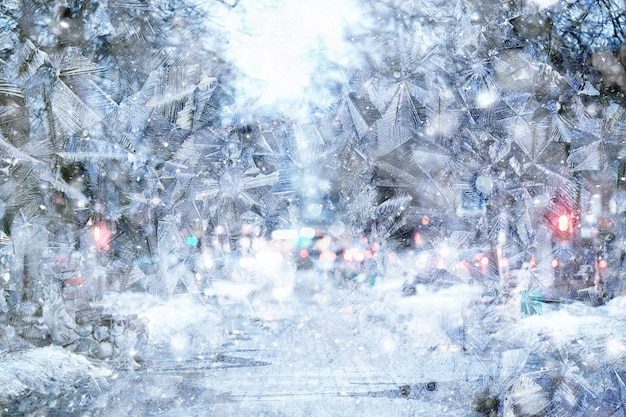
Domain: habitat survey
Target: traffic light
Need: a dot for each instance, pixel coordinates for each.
(563, 224)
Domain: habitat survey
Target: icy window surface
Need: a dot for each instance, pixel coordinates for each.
(312, 208)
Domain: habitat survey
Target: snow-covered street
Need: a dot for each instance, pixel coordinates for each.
(366, 351)
(363, 350)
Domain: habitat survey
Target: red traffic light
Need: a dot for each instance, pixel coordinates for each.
(563, 223)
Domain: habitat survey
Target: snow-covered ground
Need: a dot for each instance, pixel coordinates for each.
(31, 380)
(337, 350)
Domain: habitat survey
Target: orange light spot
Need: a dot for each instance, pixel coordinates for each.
(484, 262)
(425, 220)
(353, 254)
(102, 236)
(602, 263)
(304, 253)
(533, 263)
(328, 256)
(555, 263)
(417, 238)
(375, 246)
(369, 254)
(74, 282)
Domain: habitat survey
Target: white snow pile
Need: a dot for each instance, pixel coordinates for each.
(567, 361)
(600, 329)
(44, 370)
(180, 321)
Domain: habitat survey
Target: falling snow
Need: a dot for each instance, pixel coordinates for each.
(285, 208)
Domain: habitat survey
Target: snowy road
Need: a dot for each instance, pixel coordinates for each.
(365, 352)
(328, 350)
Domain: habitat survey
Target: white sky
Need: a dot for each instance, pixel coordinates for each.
(275, 43)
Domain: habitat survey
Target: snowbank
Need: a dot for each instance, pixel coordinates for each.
(44, 370)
